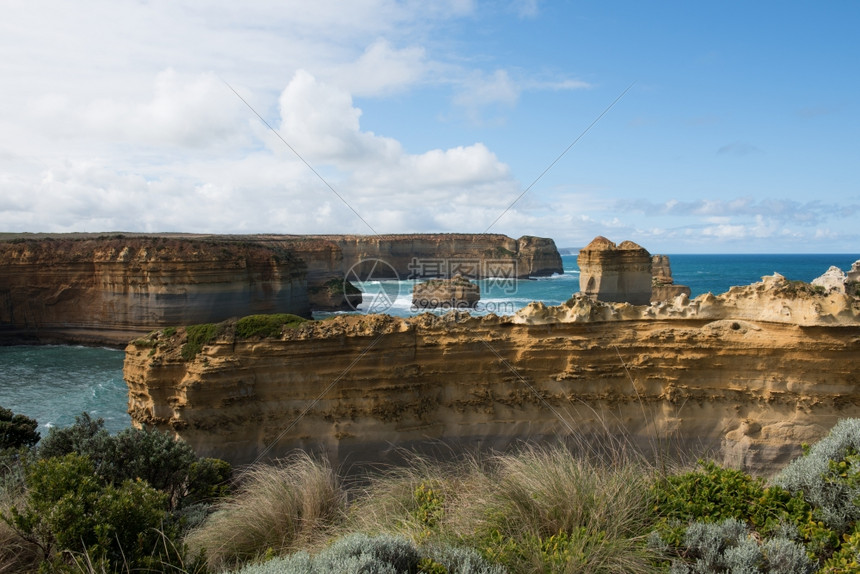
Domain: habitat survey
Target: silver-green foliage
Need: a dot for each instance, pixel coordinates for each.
(380, 554)
(834, 500)
(728, 548)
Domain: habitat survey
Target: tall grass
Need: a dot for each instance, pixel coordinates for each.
(278, 509)
(544, 510)
(538, 510)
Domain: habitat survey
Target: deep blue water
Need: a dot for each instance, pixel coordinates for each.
(54, 384)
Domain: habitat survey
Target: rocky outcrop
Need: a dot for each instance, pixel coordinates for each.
(454, 293)
(834, 279)
(107, 290)
(537, 257)
(663, 286)
(619, 273)
(748, 375)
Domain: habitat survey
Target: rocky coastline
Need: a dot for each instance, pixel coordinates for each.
(748, 376)
(107, 289)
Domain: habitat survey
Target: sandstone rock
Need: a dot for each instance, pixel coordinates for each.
(661, 270)
(106, 290)
(747, 376)
(334, 295)
(537, 257)
(852, 280)
(663, 286)
(615, 273)
(454, 293)
(423, 256)
(832, 280)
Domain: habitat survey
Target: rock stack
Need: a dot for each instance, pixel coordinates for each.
(620, 274)
(454, 293)
(663, 286)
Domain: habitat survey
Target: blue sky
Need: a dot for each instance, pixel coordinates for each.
(738, 133)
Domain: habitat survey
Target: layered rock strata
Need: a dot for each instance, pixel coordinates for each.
(420, 256)
(454, 293)
(107, 290)
(615, 273)
(86, 288)
(748, 375)
(663, 287)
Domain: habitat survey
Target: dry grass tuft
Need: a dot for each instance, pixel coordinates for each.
(278, 509)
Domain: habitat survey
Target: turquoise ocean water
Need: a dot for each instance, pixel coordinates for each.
(53, 384)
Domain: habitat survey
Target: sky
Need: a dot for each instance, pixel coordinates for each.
(687, 127)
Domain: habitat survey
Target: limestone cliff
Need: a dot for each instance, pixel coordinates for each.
(86, 288)
(750, 375)
(106, 290)
(423, 255)
(620, 273)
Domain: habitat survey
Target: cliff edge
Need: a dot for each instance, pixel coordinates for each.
(748, 375)
(106, 290)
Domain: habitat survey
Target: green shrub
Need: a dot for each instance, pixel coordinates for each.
(17, 431)
(827, 476)
(86, 436)
(68, 509)
(197, 336)
(266, 325)
(716, 494)
(165, 463)
(208, 480)
(847, 559)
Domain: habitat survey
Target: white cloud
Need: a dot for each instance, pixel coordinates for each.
(481, 89)
(382, 69)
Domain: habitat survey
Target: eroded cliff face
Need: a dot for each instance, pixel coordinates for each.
(748, 375)
(421, 255)
(107, 290)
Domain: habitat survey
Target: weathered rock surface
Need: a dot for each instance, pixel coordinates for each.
(86, 288)
(108, 290)
(454, 293)
(749, 374)
(425, 255)
(834, 279)
(663, 287)
(617, 273)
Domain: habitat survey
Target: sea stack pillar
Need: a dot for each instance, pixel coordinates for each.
(617, 273)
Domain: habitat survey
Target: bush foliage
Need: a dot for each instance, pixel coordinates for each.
(67, 508)
(17, 431)
(87, 501)
(91, 501)
(266, 325)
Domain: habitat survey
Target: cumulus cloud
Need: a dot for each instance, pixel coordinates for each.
(256, 188)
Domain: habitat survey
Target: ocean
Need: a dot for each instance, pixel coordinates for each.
(53, 384)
